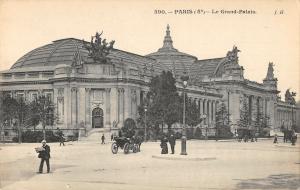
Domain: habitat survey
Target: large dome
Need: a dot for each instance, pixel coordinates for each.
(59, 52)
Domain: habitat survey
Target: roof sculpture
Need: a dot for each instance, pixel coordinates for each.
(98, 48)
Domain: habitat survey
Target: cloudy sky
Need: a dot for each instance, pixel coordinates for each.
(261, 37)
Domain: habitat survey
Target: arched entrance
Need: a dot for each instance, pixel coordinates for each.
(97, 118)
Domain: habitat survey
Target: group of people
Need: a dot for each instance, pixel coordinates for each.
(164, 143)
(292, 138)
(246, 136)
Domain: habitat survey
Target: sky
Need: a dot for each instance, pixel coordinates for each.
(272, 34)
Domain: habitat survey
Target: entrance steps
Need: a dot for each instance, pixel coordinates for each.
(96, 134)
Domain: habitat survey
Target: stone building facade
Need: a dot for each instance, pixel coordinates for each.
(101, 95)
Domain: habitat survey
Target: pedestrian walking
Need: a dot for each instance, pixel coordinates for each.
(44, 155)
(103, 139)
(172, 141)
(293, 138)
(275, 139)
(164, 145)
(112, 137)
(256, 136)
(61, 137)
(284, 136)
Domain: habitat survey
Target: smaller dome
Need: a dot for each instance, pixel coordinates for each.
(176, 61)
(168, 49)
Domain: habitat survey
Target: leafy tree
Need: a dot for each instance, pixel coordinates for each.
(222, 121)
(261, 122)
(198, 133)
(164, 105)
(129, 128)
(42, 111)
(15, 112)
(245, 120)
(163, 101)
(192, 112)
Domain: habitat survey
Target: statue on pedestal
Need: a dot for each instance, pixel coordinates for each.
(232, 55)
(98, 48)
(289, 97)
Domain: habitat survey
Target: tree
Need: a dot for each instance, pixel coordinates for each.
(222, 121)
(129, 128)
(42, 111)
(198, 133)
(163, 101)
(2, 121)
(245, 120)
(261, 122)
(192, 112)
(15, 112)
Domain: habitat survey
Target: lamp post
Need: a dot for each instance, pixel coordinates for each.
(145, 109)
(184, 79)
(293, 116)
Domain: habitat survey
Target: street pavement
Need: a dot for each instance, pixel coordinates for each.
(208, 165)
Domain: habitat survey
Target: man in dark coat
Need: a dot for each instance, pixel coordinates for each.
(164, 145)
(275, 139)
(103, 139)
(61, 137)
(45, 156)
(172, 141)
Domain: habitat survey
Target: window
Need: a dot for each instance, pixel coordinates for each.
(49, 96)
(33, 96)
(20, 96)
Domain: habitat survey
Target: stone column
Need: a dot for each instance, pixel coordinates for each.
(67, 106)
(114, 102)
(266, 106)
(26, 95)
(263, 105)
(60, 105)
(138, 100)
(121, 105)
(81, 100)
(214, 111)
(107, 106)
(209, 112)
(74, 106)
(88, 107)
(133, 103)
(254, 109)
(204, 110)
(127, 103)
(201, 106)
(270, 112)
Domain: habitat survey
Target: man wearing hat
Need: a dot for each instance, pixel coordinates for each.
(44, 154)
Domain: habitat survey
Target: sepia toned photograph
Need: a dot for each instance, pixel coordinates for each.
(149, 95)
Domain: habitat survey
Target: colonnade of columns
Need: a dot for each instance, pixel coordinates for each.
(208, 109)
(257, 105)
(285, 118)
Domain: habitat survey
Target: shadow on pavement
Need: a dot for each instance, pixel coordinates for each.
(23, 169)
(280, 181)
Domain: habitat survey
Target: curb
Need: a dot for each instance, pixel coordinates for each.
(184, 158)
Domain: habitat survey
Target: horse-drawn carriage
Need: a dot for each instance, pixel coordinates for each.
(126, 144)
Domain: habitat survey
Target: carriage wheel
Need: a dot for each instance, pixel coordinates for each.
(135, 148)
(114, 148)
(126, 148)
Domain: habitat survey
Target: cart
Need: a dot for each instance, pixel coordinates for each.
(124, 143)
